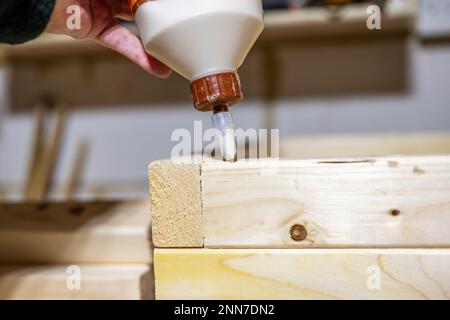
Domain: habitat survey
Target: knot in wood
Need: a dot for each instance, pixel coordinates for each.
(298, 232)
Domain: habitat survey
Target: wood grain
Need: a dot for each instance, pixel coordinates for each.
(302, 273)
(176, 204)
(351, 202)
(74, 232)
(102, 281)
(364, 145)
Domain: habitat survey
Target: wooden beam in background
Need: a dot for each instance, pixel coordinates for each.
(302, 273)
(74, 232)
(363, 202)
(35, 150)
(48, 158)
(101, 281)
(70, 188)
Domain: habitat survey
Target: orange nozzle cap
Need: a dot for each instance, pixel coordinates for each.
(134, 5)
(216, 89)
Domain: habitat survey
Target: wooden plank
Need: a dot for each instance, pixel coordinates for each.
(302, 273)
(269, 203)
(74, 232)
(175, 194)
(318, 146)
(103, 281)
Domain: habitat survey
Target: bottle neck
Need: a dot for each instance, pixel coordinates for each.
(134, 5)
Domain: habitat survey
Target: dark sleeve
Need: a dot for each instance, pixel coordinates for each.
(23, 20)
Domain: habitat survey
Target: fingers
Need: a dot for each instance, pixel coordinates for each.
(122, 10)
(123, 41)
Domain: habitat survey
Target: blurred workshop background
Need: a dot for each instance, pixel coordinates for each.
(317, 73)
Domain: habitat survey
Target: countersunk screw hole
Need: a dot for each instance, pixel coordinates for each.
(298, 232)
(394, 212)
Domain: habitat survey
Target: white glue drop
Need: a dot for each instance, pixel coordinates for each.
(229, 145)
(226, 139)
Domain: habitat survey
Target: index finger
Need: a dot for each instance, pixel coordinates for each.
(123, 41)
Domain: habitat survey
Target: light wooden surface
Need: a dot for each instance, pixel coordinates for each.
(176, 200)
(317, 146)
(362, 202)
(106, 232)
(102, 281)
(302, 273)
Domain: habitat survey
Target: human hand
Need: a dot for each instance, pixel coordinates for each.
(98, 22)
